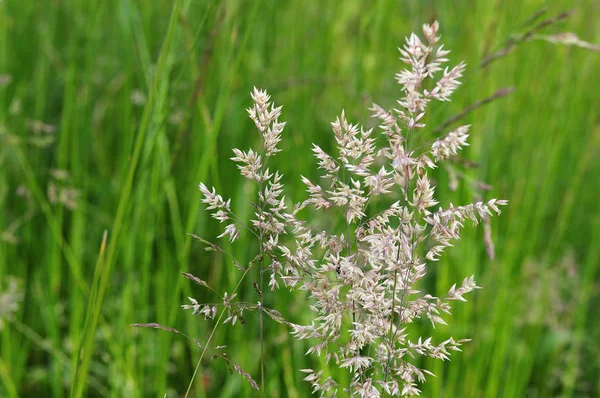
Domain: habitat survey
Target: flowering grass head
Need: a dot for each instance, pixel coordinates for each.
(362, 280)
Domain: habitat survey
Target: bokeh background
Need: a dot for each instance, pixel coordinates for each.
(112, 112)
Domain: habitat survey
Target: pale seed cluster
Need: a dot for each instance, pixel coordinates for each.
(362, 281)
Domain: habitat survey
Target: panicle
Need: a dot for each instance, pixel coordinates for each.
(451, 144)
(362, 279)
(266, 118)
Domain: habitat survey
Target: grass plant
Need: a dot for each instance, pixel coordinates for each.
(112, 112)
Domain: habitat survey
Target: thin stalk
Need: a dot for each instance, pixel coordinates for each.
(260, 278)
(392, 333)
(261, 326)
(212, 333)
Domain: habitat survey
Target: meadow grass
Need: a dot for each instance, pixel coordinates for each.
(147, 98)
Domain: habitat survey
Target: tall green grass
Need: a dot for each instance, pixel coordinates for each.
(76, 64)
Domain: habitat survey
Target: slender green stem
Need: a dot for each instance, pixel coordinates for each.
(260, 280)
(212, 333)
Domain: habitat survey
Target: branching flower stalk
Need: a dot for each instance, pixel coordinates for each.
(265, 116)
(362, 282)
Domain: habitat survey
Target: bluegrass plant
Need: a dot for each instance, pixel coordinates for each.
(81, 84)
(363, 279)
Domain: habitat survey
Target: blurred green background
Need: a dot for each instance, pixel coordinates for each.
(112, 112)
